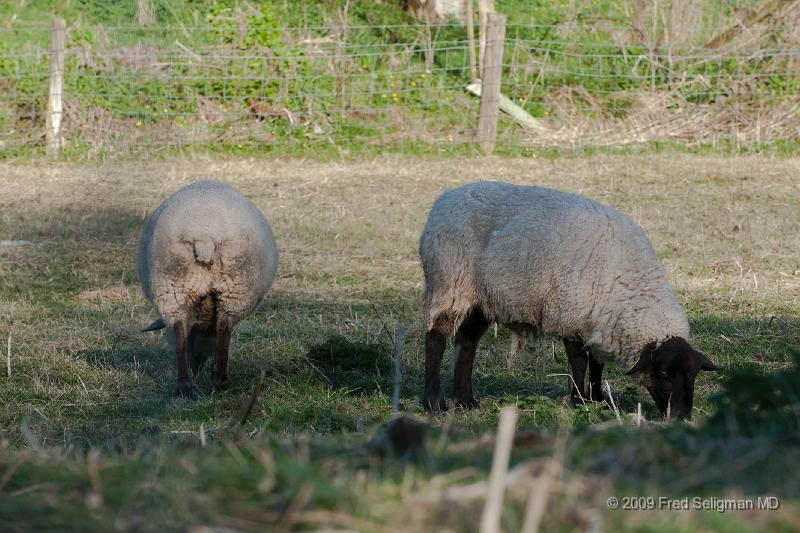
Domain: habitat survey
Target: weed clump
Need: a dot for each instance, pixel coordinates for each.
(753, 403)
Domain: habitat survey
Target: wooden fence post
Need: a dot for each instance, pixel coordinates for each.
(484, 8)
(490, 82)
(55, 107)
(473, 67)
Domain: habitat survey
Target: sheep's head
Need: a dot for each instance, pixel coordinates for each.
(668, 370)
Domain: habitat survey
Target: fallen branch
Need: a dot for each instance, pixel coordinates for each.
(522, 117)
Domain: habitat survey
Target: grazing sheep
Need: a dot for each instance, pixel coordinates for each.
(206, 257)
(545, 261)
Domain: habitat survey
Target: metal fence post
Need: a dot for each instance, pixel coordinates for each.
(490, 82)
(55, 107)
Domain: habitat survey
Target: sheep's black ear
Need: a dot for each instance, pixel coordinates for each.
(644, 362)
(705, 362)
(158, 324)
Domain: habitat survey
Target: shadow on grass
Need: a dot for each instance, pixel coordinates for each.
(151, 361)
(71, 248)
(81, 223)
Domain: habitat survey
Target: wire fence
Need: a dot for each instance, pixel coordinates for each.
(132, 89)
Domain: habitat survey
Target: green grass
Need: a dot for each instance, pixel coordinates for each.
(92, 436)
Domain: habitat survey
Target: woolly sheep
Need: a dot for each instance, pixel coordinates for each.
(545, 261)
(206, 257)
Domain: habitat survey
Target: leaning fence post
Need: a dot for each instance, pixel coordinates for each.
(55, 107)
(490, 82)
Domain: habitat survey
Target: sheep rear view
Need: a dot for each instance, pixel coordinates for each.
(546, 261)
(206, 258)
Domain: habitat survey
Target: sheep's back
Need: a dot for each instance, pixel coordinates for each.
(574, 267)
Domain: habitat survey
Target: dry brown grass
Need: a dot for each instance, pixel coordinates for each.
(720, 223)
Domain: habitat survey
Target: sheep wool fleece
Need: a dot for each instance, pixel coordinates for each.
(206, 239)
(547, 261)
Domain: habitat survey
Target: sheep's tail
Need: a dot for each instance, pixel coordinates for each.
(204, 251)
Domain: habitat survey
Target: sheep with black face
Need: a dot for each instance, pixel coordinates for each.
(206, 258)
(546, 261)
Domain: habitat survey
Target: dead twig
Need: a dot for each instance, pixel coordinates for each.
(380, 317)
(247, 407)
(308, 362)
(580, 396)
(773, 317)
(611, 398)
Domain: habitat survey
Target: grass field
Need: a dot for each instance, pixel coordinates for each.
(92, 436)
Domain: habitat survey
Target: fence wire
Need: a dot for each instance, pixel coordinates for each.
(129, 89)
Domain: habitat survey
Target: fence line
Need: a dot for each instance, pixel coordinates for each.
(161, 87)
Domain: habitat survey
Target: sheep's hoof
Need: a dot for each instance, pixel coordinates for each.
(468, 403)
(186, 389)
(435, 405)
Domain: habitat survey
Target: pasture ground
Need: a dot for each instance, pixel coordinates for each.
(92, 436)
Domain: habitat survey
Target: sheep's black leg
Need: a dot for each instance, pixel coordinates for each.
(202, 346)
(221, 357)
(578, 359)
(595, 379)
(196, 355)
(466, 342)
(184, 387)
(434, 349)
